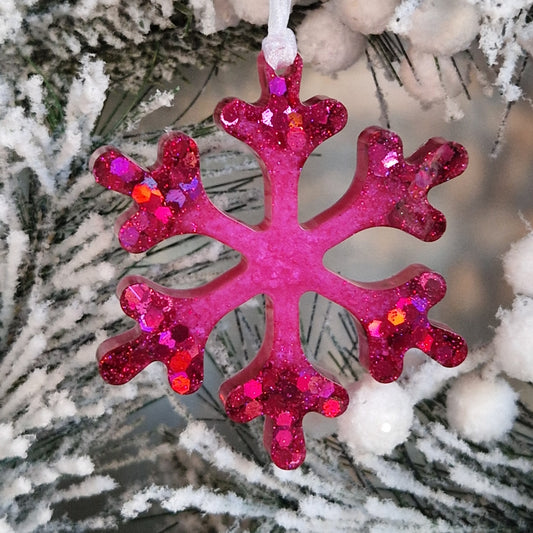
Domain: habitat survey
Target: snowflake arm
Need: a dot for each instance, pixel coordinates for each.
(391, 318)
(283, 132)
(278, 125)
(389, 190)
(172, 327)
(168, 196)
(281, 385)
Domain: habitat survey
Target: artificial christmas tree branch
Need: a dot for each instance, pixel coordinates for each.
(78, 455)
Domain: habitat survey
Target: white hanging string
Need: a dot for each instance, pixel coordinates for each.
(279, 46)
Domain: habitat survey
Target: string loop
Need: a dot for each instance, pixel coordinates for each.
(279, 46)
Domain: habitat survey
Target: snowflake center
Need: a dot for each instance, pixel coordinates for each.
(288, 256)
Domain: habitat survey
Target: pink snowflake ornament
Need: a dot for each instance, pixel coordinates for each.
(281, 259)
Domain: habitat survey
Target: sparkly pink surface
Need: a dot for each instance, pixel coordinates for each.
(282, 259)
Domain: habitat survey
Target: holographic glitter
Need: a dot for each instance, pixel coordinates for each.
(282, 259)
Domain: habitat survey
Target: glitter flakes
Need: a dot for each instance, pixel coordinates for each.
(122, 167)
(266, 117)
(160, 335)
(373, 328)
(331, 408)
(283, 259)
(252, 389)
(277, 86)
(390, 160)
(181, 383)
(166, 195)
(295, 120)
(284, 419)
(180, 361)
(396, 316)
(283, 438)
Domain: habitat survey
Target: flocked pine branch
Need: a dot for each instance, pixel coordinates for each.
(76, 454)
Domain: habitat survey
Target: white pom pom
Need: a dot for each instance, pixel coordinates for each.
(327, 43)
(428, 82)
(513, 340)
(252, 11)
(518, 266)
(378, 418)
(443, 28)
(364, 16)
(213, 15)
(481, 410)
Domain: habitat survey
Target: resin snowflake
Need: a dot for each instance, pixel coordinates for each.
(281, 259)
